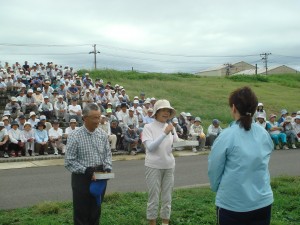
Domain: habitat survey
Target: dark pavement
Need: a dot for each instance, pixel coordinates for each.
(28, 186)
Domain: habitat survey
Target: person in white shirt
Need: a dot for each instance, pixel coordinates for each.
(55, 138)
(213, 131)
(158, 137)
(2, 86)
(3, 140)
(131, 119)
(33, 120)
(28, 138)
(16, 145)
(46, 108)
(75, 111)
(71, 128)
(296, 127)
(196, 133)
(61, 108)
(104, 125)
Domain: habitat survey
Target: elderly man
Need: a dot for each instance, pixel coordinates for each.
(29, 103)
(46, 108)
(61, 108)
(2, 86)
(75, 111)
(55, 137)
(87, 152)
(13, 107)
(105, 125)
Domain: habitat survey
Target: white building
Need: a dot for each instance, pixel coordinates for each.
(271, 70)
(226, 69)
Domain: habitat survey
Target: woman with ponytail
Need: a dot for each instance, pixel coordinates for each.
(238, 166)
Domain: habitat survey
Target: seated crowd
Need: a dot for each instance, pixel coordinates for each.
(42, 97)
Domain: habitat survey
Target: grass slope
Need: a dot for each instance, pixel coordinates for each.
(190, 207)
(207, 97)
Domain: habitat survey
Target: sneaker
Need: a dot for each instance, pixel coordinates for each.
(55, 153)
(277, 147)
(294, 146)
(6, 155)
(19, 154)
(194, 150)
(285, 147)
(133, 153)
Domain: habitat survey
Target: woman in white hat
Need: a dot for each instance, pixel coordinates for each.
(158, 138)
(28, 136)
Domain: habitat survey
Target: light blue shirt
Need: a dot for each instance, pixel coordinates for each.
(238, 168)
(40, 136)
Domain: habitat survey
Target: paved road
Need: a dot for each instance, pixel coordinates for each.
(28, 186)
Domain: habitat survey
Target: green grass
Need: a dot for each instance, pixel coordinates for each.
(189, 207)
(207, 97)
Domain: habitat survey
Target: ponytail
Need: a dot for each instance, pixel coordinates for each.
(245, 102)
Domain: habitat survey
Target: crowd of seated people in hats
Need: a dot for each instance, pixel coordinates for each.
(42, 96)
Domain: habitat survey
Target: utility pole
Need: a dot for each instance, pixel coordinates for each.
(256, 69)
(265, 60)
(95, 53)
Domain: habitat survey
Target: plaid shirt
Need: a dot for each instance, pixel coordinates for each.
(87, 149)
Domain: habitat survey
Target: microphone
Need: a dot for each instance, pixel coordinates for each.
(170, 122)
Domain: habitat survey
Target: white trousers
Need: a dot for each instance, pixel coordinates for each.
(159, 182)
(113, 141)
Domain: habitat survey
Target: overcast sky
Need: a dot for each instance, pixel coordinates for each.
(156, 35)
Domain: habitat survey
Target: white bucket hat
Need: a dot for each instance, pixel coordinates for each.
(163, 104)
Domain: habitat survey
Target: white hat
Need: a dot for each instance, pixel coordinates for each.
(136, 97)
(1, 124)
(150, 110)
(32, 114)
(27, 123)
(198, 119)
(131, 109)
(188, 114)
(14, 99)
(60, 96)
(261, 115)
(288, 119)
(296, 118)
(175, 120)
(260, 104)
(6, 113)
(73, 121)
(42, 117)
(39, 89)
(163, 104)
(136, 102)
(298, 113)
(30, 91)
(152, 99)
(4, 118)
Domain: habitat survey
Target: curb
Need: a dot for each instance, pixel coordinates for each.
(44, 157)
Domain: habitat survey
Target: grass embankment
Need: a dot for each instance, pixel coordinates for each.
(190, 207)
(207, 97)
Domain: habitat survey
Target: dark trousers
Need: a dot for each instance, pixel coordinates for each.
(85, 208)
(256, 217)
(16, 148)
(41, 149)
